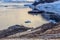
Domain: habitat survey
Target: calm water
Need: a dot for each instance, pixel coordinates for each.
(13, 16)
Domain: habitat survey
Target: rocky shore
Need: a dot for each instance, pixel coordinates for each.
(48, 30)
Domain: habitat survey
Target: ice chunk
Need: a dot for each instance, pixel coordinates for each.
(27, 21)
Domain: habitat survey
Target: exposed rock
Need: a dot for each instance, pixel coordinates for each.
(48, 30)
(12, 30)
(54, 30)
(34, 33)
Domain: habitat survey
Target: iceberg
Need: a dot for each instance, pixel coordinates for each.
(50, 7)
(49, 11)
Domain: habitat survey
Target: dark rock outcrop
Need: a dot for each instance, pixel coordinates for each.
(46, 31)
(12, 30)
(49, 30)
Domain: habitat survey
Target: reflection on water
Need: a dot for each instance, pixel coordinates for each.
(9, 17)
